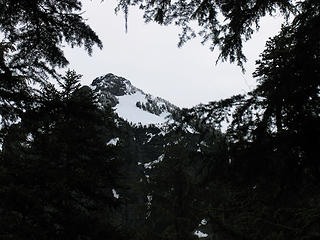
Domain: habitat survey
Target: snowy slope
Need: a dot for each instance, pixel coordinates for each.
(131, 103)
(127, 109)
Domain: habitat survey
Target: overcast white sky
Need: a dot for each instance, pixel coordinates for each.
(148, 56)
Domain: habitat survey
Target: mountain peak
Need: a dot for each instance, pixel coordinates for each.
(131, 103)
(115, 85)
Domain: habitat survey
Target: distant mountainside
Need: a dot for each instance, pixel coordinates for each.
(149, 128)
(131, 103)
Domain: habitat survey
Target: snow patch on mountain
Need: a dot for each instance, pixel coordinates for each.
(151, 164)
(113, 141)
(200, 234)
(127, 109)
(131, 103)
(115, 194)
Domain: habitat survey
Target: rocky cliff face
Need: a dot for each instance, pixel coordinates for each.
(117, 86)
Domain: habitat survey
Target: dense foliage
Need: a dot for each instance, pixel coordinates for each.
(57, 173)
(64, 176)
(33, 34)
(223, 23)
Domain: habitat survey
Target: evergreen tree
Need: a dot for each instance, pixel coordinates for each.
(31, 48)
(171, 203)
(224, 24)
(272, 181)
(57, 173)
(279, 117)
(38, 28)
(176, 183)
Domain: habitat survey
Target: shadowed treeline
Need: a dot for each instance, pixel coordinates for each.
(60, 179)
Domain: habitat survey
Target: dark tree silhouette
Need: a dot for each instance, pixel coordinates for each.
(57, 173)
(38, 28)
(33, 33)
(225, 24)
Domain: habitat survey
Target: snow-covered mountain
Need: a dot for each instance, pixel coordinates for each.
(131, 103)
(151, 132)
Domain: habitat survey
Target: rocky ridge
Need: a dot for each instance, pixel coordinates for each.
(130, 102)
